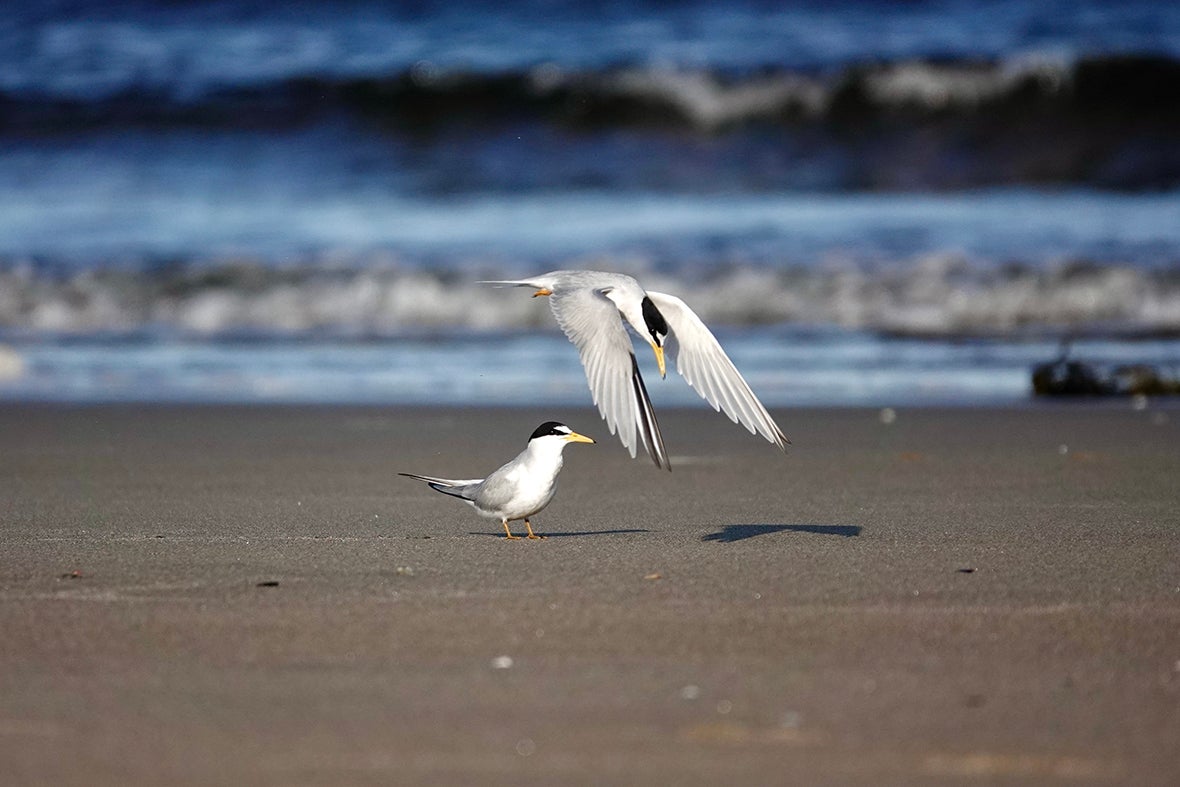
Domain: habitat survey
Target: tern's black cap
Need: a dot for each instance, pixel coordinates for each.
(550, 428)
(657, 326)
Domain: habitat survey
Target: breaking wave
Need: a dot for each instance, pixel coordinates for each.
(935, 295)
(705, 98)
(1109, 121)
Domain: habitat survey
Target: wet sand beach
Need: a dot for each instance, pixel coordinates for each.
(250, 595)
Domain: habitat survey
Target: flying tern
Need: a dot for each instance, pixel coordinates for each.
(522, 487)
(593, 308)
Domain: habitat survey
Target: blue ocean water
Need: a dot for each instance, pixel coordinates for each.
(872, 202)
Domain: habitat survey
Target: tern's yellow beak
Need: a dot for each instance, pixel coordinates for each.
(574, 437)
(659, 351)
(542, 291)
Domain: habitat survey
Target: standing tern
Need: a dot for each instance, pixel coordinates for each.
(522, 487)
(588, 306)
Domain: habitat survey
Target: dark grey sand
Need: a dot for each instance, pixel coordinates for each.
(252, 596)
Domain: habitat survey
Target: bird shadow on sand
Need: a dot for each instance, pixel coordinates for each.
(551, 534)
(731, 533)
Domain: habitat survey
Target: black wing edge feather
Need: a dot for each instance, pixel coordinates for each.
(447, 490)
(649, 429)
(434, 484)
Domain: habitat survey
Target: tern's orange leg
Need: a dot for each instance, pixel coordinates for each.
(530, 528)
(542, 292)
(509, 532)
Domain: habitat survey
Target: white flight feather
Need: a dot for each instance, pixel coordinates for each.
(704, 365)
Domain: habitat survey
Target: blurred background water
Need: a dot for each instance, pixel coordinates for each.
(871, 202)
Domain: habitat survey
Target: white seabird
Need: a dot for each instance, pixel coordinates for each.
(592, 307)
(522, 487)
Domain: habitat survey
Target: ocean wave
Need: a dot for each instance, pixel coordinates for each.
(1109, 122)
(426, 95)
(934, 295)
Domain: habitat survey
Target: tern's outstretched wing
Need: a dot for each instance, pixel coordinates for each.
(592, 323)
(706, 367)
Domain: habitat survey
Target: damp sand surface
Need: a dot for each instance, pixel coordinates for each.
(251, 595)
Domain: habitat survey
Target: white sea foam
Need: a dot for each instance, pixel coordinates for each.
(12, 365)
(964, 86)
(708, 103)
(936, 295)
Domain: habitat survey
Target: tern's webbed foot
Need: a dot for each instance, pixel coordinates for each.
(531, 534)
